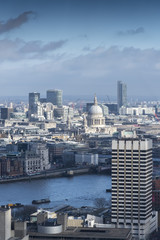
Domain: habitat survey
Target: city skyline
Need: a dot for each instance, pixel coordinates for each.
(79, 47)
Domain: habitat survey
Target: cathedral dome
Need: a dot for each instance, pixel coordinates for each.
(95, 110)
(95, 118)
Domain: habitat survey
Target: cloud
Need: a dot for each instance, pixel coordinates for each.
(131, 32)
(39, 47)
(18, 49)
(83, 36)
(98, 71)
(95, 71)
(13, 23)
(86, 49)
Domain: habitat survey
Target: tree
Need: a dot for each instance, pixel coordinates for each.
(24, 212)
(100, 202)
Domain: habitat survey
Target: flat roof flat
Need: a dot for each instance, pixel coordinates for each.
(89, 233)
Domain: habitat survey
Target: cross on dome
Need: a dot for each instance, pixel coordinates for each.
(95, 100)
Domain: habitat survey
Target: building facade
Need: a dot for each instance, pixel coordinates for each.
(132, 186)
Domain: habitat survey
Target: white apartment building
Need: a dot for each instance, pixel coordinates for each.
(132, 186)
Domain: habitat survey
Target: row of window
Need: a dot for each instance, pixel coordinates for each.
(33, 162)
(133, 150)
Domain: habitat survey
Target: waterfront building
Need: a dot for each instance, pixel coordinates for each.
(132, 186)
(4, 166)
(11, 165)
(36, 158)
(121, 94)
(55, 151)
(86, 159)
(55, 97)
(32, 164)
(43, 153)
(68, 158)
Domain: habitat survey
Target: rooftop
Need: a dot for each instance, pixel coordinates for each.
(90, 233)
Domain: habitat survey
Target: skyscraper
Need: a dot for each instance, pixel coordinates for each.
(55, 97)
(34, 98)
(132, 186)
(121, 94)
(6, 112)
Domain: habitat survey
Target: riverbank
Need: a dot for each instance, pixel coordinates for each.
(49, 174)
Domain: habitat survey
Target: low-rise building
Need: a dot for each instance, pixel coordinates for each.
(140, 110)
(86, 233)
(92, 220)
(75, 221)
(86, 159)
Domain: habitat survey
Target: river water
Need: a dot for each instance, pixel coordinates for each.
(75, 191)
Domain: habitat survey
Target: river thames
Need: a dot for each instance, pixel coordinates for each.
(75, 191)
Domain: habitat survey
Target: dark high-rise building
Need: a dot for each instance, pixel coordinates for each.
(34, 98)
(43, 100)
(5, 113)
(55, 97)
(121, 94)
(112, 107)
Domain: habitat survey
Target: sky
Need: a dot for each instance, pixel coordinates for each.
(80, 46)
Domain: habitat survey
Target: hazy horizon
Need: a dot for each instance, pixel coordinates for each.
(82, 99)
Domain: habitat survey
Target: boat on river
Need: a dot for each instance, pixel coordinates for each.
(40, 201)
(108, 190)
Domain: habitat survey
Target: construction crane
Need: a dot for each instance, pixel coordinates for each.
(157, 117)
